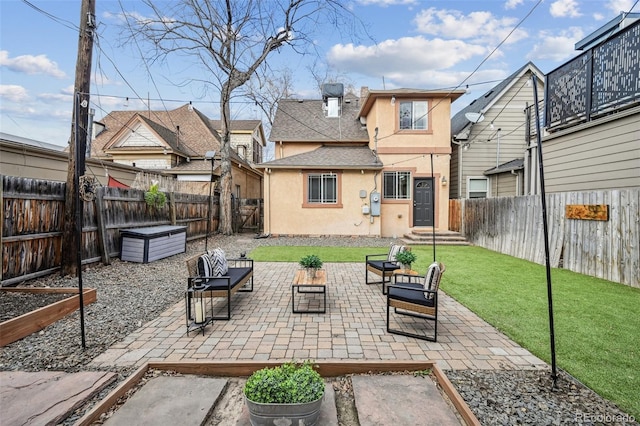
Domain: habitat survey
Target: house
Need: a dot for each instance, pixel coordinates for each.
(173, 142)
(489, 139)
(247, 138)
(591, 137)
(361, 166)
(28, 158)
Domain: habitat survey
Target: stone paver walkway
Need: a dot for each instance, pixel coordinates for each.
(262, 327)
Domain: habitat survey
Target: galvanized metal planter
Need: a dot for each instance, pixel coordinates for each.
(284, 414)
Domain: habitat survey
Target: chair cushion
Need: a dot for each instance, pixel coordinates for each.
(393, 251)
(205, 269)
(410, 296)
(383, 264)
(219, 263)
(430, 279)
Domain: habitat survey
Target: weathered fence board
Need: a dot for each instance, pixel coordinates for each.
(33, 219)
(604, 249)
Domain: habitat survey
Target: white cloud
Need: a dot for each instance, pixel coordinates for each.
(13, 93)
(407, 55)
(31, 65)
(556, 47)
(512, 4)
(617, 6)
(598, 16)
(480, 26)
(565, 9)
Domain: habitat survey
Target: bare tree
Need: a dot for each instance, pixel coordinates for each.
(232, 40)
(266, 91)
(323, 74)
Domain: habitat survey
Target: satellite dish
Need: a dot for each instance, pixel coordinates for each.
(474, 117)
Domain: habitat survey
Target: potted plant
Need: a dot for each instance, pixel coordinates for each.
(291, 392)
(311, 263)
(406, 258)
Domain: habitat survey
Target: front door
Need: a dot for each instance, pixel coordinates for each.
(423, 202)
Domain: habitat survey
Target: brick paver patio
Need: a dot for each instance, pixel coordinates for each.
(262, 327)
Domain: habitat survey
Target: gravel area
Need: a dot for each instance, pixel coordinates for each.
(123, 305)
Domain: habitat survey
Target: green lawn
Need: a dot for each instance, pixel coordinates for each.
(597, 322)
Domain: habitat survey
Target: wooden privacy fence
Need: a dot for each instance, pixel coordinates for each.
(33, 220)
(607, 249)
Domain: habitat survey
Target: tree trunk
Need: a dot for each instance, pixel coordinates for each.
(78, 142)
(226, 182)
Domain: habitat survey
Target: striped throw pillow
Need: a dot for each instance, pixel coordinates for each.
(430, 279)
(393, 251)
(204, 266)
(219, 263)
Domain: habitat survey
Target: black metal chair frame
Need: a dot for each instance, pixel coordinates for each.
(384, 272)
(417, 310)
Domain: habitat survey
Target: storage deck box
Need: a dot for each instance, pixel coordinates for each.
(145, 245)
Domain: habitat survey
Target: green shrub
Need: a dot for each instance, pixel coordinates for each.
(154, 197)
(288, 384)
(311, 261)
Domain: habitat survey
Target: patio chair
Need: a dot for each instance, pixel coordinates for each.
(415, 296)
(383, 265)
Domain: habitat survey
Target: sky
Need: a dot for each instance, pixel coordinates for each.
(417, 44)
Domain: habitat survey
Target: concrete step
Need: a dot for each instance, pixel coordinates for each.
(426, 237)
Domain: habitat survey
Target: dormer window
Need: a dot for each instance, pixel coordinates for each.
(333, 107)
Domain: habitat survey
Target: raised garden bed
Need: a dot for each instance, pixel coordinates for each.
(33, 321)
(245, 369)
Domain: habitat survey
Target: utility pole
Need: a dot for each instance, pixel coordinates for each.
(73, 208)
(78, 140)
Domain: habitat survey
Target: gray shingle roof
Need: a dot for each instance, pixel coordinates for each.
(305, 121)
(330, 157)
(517, 164)
(459, 121)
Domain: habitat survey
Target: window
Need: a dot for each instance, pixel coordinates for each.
(397, 185)
(322, 188)
(413, 115)
(478, 187)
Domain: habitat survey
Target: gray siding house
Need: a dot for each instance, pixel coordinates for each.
(489, 139)
(592, 114)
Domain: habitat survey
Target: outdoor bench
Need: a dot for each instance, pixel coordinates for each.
(239, 277)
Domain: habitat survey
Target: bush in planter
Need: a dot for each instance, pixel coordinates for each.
(287, 384)
(154, 197)
(406, 257)
(311, 262)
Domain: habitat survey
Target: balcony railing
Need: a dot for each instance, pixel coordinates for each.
(602, 80)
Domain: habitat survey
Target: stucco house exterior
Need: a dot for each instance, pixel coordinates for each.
(489, 139)
(174, 142)
(591, 135)
(361, 166)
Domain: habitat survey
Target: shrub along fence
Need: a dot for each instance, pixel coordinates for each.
(604, 248)
(33, 220)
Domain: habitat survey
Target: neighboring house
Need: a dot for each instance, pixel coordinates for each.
(592, 113)
(28, 158)
(348, 165)
(173, 142)
(489, 139)
(247, 138)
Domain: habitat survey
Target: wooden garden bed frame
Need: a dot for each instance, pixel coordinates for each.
(26, 324)
(246, 368)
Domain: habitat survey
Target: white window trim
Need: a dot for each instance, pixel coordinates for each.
(469, 178)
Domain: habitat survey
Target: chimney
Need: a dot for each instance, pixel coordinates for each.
(364, 92)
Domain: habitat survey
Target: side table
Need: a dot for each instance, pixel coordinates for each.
(318, 285)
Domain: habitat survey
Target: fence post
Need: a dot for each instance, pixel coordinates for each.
(172, 208)
(102, 232)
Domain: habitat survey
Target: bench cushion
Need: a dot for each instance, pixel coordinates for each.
(236, 275)
(410, 296)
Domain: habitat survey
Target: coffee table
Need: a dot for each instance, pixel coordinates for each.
(317, 284)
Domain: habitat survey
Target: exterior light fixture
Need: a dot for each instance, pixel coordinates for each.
(443, 180)
(393, 99)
